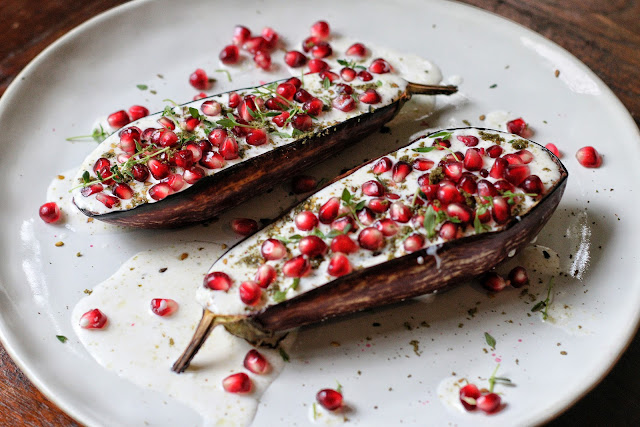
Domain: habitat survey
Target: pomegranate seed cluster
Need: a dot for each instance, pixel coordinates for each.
(442, 187)
(168, 152)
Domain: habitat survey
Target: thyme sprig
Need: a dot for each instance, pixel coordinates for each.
(351, 64)
(98, 135)
(279, 296)
(493, 379)
(544, 305)
(354, 207)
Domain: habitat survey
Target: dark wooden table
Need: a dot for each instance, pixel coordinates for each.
(605, 35)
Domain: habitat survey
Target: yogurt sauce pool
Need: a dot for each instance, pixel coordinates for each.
(141, 346)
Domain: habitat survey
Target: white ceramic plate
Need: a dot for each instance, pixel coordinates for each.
(93, 70)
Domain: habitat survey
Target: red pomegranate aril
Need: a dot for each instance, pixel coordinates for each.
(166, 123)
(589, 157)
(312, 246)
(379, 66)
(453, 170)
(448, 230)
(244, 226)
(273, 250)
(286, 90)
(295, 81)
(382, 165)
(160, 191)
(309, 42)
(468, 395)
(50, 212)
(175, 181)
(128, 144)
(140, 172)
(329, 399)
(468, 140)
(320, 30)
(387, 227)
(513, 159)
(163, 306)
(365, 76)
(348, 74)
(306, 221)
(87, 191)
(341, 224)
(441, 144)
(93, 319)
(498, 168)
(270, 37)
(302, 122)
(484, 217)
(254, 44)
(184, 159)
(400, 171)
(295, 59)
(199, 79)
(366, 216)
(467, 184)
(486, 188)
(237, 383)
(296, 267)
(414, 242)
(371, 238)
(240, 35)
(234, 100)
(303, 184)
(147, 133)
(118, 119)
(247, 109)
(372, 188)
(532, 184)
(494, 151)
(217, 136)
(217, 281)
(431, 191)
(158, 169)
(378, 205)
(501, 211)
(473, 160)
(265, 275)
(317, 65)
(344, 103)
(525, 155)
(229, 54)
(357, 49)
(212, 160)
(198, 96)
(518, 277)
(313, 106)
(255, 362)
(107, 200)
(229, 149)
(256, 137)
(193, 175)
(262, 59)
(339, 265)
(400, 212)
(302, 96)
(552, 147)
(517, 126)
(137, 112)
(169, 139)
(329, 211)
(281, 119)
(250, 293)
(488, 403)
(321, 50)
(211, 108)
(343, 244)
(421, 164)
(195, 150)
(515, 174)
(123, 191)
(460, 211)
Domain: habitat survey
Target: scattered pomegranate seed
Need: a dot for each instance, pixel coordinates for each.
(493, 282)
(589, 157)
(460, 211)
(344, 103)
(517, 126)
(329, 399)
(229, 54)
(515, 174)
(382, 165)
(343, 244)
(50, 212)
(371, 238)
(518, 277)
(158, 169)
(140, 172)
(229, 149)
(118, 119)
(317, 65)
(473, 160)
(400, 171)
(255, 44)
(339, 265)
(244, 226)
(422, 164)
(212, 160)
(295, 59)
(468, 140)
(321, 50)
(414, 242)
(160, 191)
(532, 184)
(448, 230)
(357, 49)
(387, 227)
(256, 362)
(184, 159)
(370, 96)
(329, 211)
(163, 306)
(211, 108)
(265, 275)
(281, 119)
(312, 246)
(494, 151)
(378, 205)
(486, 188)
(250, 293)
(380, 66)
(240, 35)
(552, 147)
(199, 79)
(234, 100)
(193, 175)
(303, 184)
(320, 30)
(498, 168)
(468, 396)
(256, 137)
(273, 250)
(372, 188)
(262, 59)
(107, 200)
(400, 212)
(237, 383)
(217, 281)
(309, 42)
(302, 96)
(448, 193)
(175, 181)
(270, 37)
(341, 224)
(302, 122)
(365, 76)
(488, 402)
(348, 74)
(137, 112)
(501, 210)
(91, 189)
(93, 319)
(306, 221)
(296, 267)
(123, 191)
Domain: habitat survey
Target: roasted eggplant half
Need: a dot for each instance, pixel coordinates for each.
(188, 163)
(445, 208)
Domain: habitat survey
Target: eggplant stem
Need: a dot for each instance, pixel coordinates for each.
(420, 89)
(206, 325)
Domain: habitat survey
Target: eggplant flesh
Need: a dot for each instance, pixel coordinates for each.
(392, 273)
(232, 180)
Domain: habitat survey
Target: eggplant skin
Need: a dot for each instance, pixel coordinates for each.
(236, 184)
(414, 274)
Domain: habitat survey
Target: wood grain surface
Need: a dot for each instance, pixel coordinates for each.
(605, 35)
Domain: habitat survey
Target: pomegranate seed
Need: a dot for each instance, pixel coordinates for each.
(341, 224)
(532, 184)
(240, 35)
(460, 211)
(488, 402)
(343, 88)
(365, 76)
(50, 212)
(552, 147)
(468, 396)
(400, 171)
(448, 230)
(250, 293)
(217, 281)
(107, 200)
(255, 362)
(296, 267)
(229, 54)
(348, 74)
(93, 319)
(339, 265)
(518, 277)
(286, 90)
(468, 140)
(256, 137)
(295, 81)
(163, 306)
(501, 185)
(517, 126)
(468, 184)
(414, 242)
(422, 164)
(329, 211)
(371, 238)
(312, 246)
(306, 221)
(140, 172)
(370, 96)
(273, 250)
(498, 168)
(382, 165)
(302, 96)
(344, 103)
(193, 175)
(486, 188)
(448, 193)
(146, 135)
(184, 159)
(441, 144)
(128, 142)
(303, 184)
(321, 50)
(87, 191)
(270, 37)
(212, 160)
(400, 212)
(313, 106)
(295, 59)
(343, 244)
(247, 109)
(589, 157)
(123, 191)
(265, 275)
(309, 42)
(255, 44)
(302, 122)
(198, 96)
(473, 160)
(166, 123)
(320, 30)
(217, 136)
(329, 399)
(515, 174)
(501, 211)
(158, 169)
(513, 159)
(234, 100)
(160, 191)
(316, 65)
(262, 59)
(237, 383)
(199, 79)
(211, 108)
(387, 227)
(229, 149)
(525, 155)
(281, 119)
(494, 151)
(366, 216)
(357, 49)
(175, 181)
(372, 188)
(453, 170)
(169, 139)
(378, 205)
(244, 226)
(137, 112)
(379, 66)
(118, 119)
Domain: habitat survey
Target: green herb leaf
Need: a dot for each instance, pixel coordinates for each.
(338, 387)
(430, 222)
(86, 177)
(378, 83)
(493, 86)
(62, 338)
(279, 296)
(491, 341)
(281, 134)
(346, 196)
(194, 113)
(320, 234)
(424, 149)
(442, 135)
(315, 411)
(359, 206)
(283, 354)
(226, 72)
(326, 83)
(295, 284)
(142, 87)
